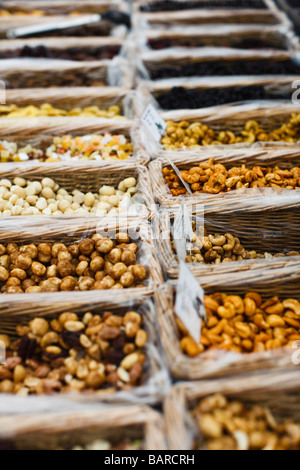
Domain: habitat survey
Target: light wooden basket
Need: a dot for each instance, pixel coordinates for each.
(59, 430)
(38, 130)
(89, 178)
(283, 283)
(62, 6)
(154, 380)
(69, 98)
(231, 158)
(278, 391)
(260, 225)
(49, 230)
(41, 73)
(271, 15)
(224, 36)
(270, 116)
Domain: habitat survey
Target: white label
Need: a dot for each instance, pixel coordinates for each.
(183, 231)
(154, 123)
(189, 305)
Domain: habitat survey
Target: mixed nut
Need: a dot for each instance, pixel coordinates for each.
(217, 248)
(67, 148)
(184, 134)
(93, 263)
(46, 197)
(46, 109)
(228, 424)
(215, 178)
(73, 354)
(244, 324)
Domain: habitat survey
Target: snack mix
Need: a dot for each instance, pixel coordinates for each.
(67, 148)
(227, 424)
(46, 109)
(72, 354)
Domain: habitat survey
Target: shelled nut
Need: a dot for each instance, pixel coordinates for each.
(244, 324)
(228, 424)
(86, 265)
(46, 197)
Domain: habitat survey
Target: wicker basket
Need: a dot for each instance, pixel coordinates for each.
(149, 91)
(50, 230)
(155, 381)
(64, 430)
(260, 226)
(225, 36)
(62, 7)
(69, 98)
(41, 130)
(89, 178)
(283, 283)
(271, 15)
(41, 73)
(277, 391)
(283, 158)
(270, 116)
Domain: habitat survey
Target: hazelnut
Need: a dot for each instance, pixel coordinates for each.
(23, 261)
(38, 269)
(127, 279)
(86, 247)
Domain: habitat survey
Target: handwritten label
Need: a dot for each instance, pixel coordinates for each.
(183, 231)
(154, 123)
(189, 305)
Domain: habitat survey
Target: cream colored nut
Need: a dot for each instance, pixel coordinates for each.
(41, 204)
(122, 187)
(63, 205)
(129, 361)
(62, 192)
(38, 186)
(6, 183)
(13, 199)
(129, 182)
(18, 191)
(7, 213)
(104, 206)
(74, 326)
(31, 190)
(79, 198)
(32, 200)
(47, 211)
(17, 210)
(20, 181)
(85, 341)
(114, 201)
(89, 200)
(20, 202)
(131, 191)
(123, 375)
(47, 193)
(48, 183)
(107, 191)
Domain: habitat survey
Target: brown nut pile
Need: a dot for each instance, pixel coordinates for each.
(74, 354)
(245, 325)
(231, 425)
(218, 248)
(94, 263)
(211, 178)
(184, 134)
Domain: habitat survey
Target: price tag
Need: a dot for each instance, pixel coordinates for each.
(189, 305)
(154, 123)
(183, 233)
